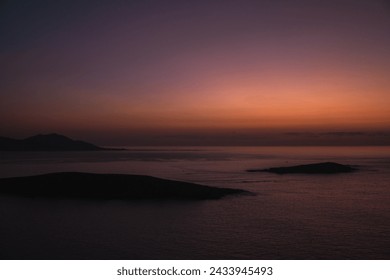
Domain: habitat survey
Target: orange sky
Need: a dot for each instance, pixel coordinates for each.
(300, 67)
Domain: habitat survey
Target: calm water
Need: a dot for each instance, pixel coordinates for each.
(343, 216)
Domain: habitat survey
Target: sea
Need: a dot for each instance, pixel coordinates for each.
(291, 216)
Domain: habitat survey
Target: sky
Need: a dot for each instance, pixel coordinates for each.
(245, 72)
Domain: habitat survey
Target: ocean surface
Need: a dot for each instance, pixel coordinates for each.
(297, 216)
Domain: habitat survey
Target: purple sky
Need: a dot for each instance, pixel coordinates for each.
(197, 72)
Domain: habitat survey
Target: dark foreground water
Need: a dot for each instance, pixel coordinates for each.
(343, 216)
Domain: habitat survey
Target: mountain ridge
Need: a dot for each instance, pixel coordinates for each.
(47, 142)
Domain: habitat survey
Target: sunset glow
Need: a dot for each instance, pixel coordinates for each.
(241, 66)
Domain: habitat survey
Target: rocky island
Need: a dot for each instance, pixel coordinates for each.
(314, 168)
(109, 186)
(48, 142)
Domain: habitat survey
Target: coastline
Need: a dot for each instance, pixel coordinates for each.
(109, 186)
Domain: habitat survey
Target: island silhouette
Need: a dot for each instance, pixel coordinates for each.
(313, 168)
(109, 186)
(48, 142)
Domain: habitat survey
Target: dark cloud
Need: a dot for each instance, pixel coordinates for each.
(338, 133)
(344, 133)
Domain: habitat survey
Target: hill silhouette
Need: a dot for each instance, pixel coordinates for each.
(109, 186)
(47, 142)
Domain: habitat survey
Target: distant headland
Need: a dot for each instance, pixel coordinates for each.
(314, 168)
(109, 186)
(48, 142)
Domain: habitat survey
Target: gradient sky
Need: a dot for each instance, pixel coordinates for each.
(199, 72)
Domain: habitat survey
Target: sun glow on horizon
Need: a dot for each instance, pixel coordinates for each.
(197, 67)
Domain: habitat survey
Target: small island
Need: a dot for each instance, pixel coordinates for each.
(109, 186)
(314, 168)
(48, 142)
